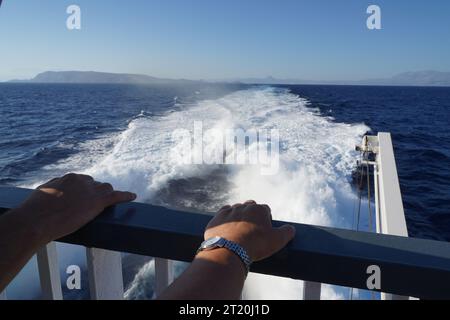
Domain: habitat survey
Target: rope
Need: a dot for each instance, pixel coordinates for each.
(360, 189)
(359, 200)
(369, 212)
(369, 199)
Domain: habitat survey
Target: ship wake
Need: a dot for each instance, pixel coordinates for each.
(311, 186)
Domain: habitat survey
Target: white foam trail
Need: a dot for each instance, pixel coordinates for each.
(311, 186)
(317, 157)
(142, 282)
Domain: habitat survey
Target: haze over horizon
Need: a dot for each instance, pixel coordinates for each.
(312, 40)
(421, 78)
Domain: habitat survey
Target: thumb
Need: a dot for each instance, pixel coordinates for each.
(281, 237)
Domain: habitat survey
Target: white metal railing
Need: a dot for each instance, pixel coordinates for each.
(389, 211)
(105, 274)
(163, 275)
(47, 259)
(105, 267)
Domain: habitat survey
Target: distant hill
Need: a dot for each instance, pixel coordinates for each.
(98, 77)
(420, 78)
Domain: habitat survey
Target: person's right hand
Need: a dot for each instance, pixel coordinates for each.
(250, 225)
(64, 205)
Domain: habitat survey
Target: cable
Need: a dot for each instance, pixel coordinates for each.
(359, 200)
(361, 177)
(370, 212)
(369, 199)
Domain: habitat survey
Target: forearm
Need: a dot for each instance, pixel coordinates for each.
(213, 275)
(19, 240)
(54, 210)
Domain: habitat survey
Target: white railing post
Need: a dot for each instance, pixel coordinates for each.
(47, 259)
(392, 215)
(105, 274)
(311, 290)
(377, 200)
(163, 275)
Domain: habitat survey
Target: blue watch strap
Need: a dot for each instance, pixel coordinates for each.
(240, 252)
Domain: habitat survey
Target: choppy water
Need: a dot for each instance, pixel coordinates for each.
(122, 134)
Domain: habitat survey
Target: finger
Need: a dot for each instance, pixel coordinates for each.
(237, 205)
(225, 208)
(73, 176)
(48, 183)
(250, 202)
(260, 210)
(104, 187)
(116, 197)
(85, 177)
(69, 176)
(269, 211)
(281, 237)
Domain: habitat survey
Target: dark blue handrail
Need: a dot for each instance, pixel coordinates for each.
(409, 267)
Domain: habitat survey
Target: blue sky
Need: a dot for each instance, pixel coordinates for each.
(215, 39)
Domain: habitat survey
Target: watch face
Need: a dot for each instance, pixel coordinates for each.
(210, 242)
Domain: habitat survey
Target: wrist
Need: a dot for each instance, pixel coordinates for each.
(226, 259)
(20, 219)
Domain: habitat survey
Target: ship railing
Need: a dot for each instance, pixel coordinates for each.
(408, 267)
(389, 212)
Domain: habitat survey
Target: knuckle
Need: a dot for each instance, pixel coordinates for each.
(115, 196)
(266, 209)
(107, 185)
(253, 207)
(256, 208)
(48, 183)
(225, 208)
(85, 176)
(70, 176)
(236, 206)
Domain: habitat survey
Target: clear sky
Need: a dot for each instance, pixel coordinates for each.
(216, 39)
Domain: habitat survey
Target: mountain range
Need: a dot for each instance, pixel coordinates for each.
(419, 78)
(98, 77)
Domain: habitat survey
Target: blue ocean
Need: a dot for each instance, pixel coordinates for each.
(121, 134)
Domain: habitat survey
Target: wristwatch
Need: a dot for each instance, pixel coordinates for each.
(218, 242)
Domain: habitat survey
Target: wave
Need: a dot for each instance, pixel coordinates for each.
(311, 186)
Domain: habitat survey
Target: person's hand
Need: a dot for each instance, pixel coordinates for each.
(63, 205)
(250, 225)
